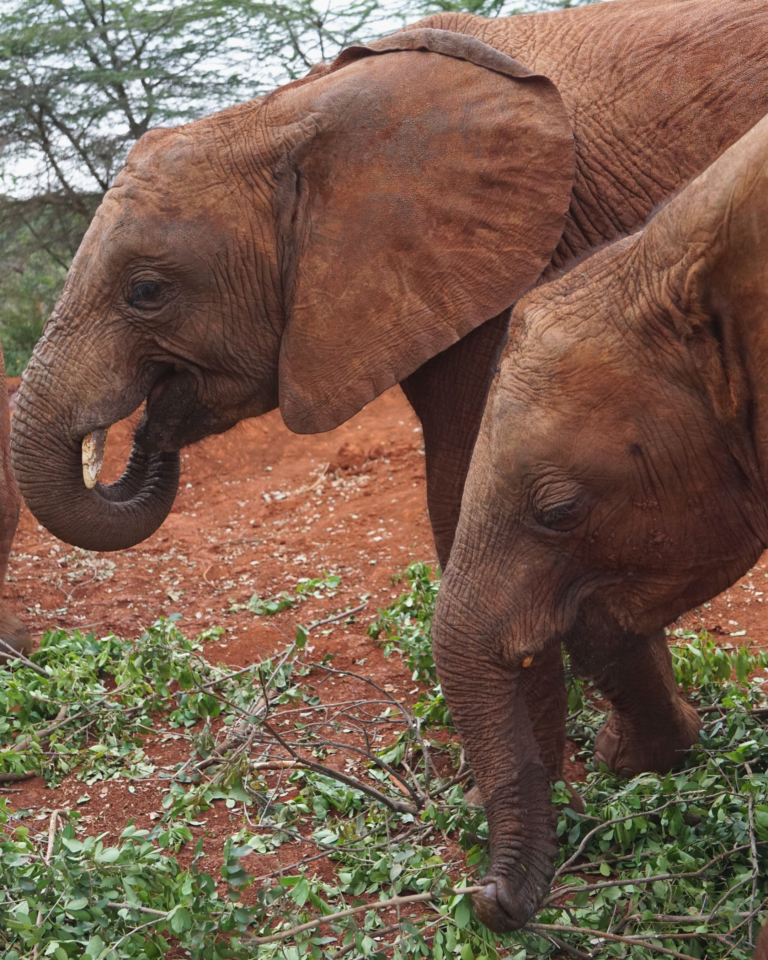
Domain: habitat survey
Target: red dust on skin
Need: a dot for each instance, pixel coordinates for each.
(258, 508)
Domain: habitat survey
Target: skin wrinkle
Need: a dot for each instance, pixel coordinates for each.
(624, 133)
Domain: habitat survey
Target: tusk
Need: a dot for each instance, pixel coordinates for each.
(93, 456)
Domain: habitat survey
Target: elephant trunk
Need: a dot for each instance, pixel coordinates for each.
(48, 462)
(487, 701)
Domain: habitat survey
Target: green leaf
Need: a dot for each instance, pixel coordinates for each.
(300, 892)
(180, 920)
(462, 913)
(109, 855)
(94, 947)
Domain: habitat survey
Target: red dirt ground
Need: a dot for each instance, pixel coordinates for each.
(258, 508)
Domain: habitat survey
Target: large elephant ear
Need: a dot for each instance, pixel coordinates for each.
(431, 176)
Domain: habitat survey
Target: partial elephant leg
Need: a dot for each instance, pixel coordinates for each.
(761, 951)
(448, 394)
(13, 633)
(650, 727)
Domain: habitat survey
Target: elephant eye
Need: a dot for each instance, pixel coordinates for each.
(560, 505)
(145, 294)
(562, 516)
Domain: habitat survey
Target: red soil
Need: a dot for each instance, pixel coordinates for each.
(258, 508)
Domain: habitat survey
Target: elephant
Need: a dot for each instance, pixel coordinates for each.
(620, 478)
(369, 224)
(14, 637)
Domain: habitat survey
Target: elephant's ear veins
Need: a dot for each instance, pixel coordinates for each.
(435, 178)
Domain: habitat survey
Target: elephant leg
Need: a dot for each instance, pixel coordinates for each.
(448, 395)
(650, 727)
(13, 633)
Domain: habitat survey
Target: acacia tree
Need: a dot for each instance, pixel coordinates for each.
(81, 80)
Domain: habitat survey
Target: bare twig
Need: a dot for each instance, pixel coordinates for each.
(338, 616)
(52, 834)
(18, 777)
(637, 940)
(573, 951)
(138, 907)
(14, 654)
(364, 908)
(68, 595)
(395, 805)
(47, 859)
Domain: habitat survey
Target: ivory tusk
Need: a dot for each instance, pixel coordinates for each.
(93, 456)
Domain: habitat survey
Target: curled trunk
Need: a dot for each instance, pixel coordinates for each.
(47, 461)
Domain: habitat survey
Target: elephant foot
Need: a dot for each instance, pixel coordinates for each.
(629, 748)
(14, 637)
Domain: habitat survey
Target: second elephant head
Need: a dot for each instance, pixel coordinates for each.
(620, 478)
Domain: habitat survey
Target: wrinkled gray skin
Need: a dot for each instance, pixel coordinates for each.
(619, 479)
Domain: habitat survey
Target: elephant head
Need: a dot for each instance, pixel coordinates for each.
(306, 250)
(620, 478)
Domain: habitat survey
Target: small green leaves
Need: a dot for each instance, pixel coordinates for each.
(462, 912)
(133, 900)
(319, 588)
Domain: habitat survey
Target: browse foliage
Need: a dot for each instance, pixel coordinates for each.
(656, 866)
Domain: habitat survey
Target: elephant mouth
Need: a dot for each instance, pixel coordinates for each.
(157, 388)
(175, 415)
(93, 444)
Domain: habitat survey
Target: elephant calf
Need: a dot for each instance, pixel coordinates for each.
(620, 478)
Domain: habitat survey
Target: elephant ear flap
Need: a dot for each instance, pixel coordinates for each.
(431, 193)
